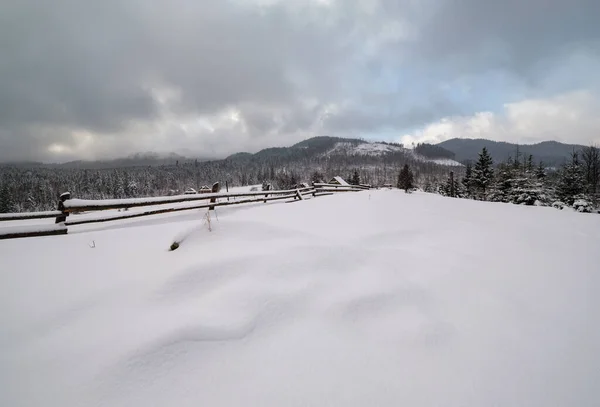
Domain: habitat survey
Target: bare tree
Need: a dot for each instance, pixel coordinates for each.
(591, 167)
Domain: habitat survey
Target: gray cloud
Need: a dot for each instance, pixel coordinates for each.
(513, 34)
(288, 70)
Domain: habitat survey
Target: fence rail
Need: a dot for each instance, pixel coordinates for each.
(29, 215)
(339, 186)
(68, 206)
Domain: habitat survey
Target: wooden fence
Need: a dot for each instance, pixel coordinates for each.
(68, 205)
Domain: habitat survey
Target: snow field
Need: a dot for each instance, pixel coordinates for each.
(371, 298)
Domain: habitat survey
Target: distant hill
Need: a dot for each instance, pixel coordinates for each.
(552, 153)
(350, 151)
(314, 151)
(434, 151)
(134, 160)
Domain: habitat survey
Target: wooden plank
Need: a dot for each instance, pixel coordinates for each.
(29, 215)
(215, 188)
(169, 210)
(337, 190)
(323, 185)
(18, 235)
(32, 231)
(75, 205)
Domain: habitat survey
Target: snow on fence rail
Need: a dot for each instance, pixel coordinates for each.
(342, 187)
(67, 206)
(29, 215)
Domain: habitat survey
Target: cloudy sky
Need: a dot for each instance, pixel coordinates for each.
(100, 79)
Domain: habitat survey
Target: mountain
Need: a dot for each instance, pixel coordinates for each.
(351, 151)
(552, 153)
(134, 160)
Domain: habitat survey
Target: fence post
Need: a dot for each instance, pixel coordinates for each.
(61, 207)
(215, 188)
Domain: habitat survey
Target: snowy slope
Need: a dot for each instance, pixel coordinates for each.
(364, 148)
(378, 149)
(440, 161)
(374, 298)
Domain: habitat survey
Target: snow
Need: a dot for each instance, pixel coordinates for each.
(340, 181)
(440, 161)
(364, 148)
(33, 215)
(74, 204)
(446, 161)
(24, 228)
(377, 149)
(370, 298)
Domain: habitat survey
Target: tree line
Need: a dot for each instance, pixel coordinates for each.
(519, 180)
(37, 188)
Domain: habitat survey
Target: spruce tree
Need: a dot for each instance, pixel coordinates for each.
(529, 164)
(6, 201)
(355, 180)
(503, 185)
(467, 181)
(405, 179)
(571, 181)
(317, 177)
(540, 172)
(451, 188)
(483, 173)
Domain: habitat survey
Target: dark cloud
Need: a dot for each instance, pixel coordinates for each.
(384, 112)
(103, 68)
(515, 35)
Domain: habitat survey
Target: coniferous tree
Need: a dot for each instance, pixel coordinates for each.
(467, 181)
(451, 188)
(355, 180)
(483, 173)
(571, 182)
(317, 177)
(529, 164)
(6, 201)
(503, 184)
(405, 179)
(540, 172)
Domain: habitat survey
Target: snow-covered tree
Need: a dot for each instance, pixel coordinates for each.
(467, 181)
(540, 171)
(591, 170)
(571, 182)
(483, 173)
(6, 200)
(355, 179)
(405, 178)
(317, 177)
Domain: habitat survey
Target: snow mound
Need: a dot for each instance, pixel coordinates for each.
(342, 300)
(365, 148)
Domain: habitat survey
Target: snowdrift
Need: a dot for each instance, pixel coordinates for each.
(377, 298)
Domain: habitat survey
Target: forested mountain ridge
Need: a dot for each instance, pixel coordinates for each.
(523, 181)
(37, 187)
(551, 153)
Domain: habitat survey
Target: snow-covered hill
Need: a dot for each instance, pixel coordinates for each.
(375, 298)
(364, 148)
